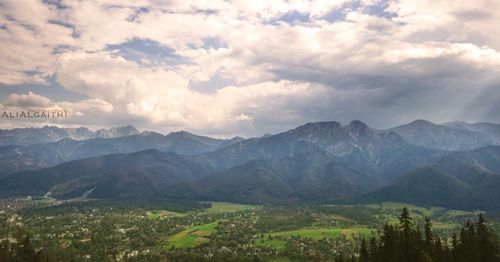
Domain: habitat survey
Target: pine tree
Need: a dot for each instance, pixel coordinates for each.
(437, 253)
(364, 256)
(374, 254)
(455, 247)
(429, 237)
(405, 222)
(389, 243)
(476, 242)
(471, 248)
(408, 238)
(486, 241)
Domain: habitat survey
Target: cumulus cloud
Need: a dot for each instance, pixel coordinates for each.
(164, 98)
(274, 64)
(27, 100)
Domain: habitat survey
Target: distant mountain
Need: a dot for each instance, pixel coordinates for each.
(489, 129)
(46, 134)
(471, 166)
(318, 162)
(444, 137)
(467, 180)
(17, 158)
(253, 182)
(118, 175)
(309, 174)
(115, 132)
(314, 162)
(360, 147)
(424, 186)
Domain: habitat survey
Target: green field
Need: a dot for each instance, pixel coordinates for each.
(181, 233)
(455, 213)
(274, 243)
(192, 236)
(315, 234)
(363, 231)
(447, 226)
(153, 215)
(427, 211)
(221, 207)
(320, 233)
(281, 259)
(278, 240)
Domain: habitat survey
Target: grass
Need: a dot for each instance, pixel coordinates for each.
(320, 233)
(446, 226)
(340, 218)
(220, 207)
(192, 236)
(363, 231)
(279, 241)
(392, 209)
(154, 215)
(274, 243)
(280, 259)
(426, 211)
(455, 213)
(315, 234)
(391, 219)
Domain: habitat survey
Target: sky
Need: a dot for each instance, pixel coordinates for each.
(247, 68)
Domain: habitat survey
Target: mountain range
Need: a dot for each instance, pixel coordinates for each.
(116, 175)
(454, 165)
(36, 156)
(467, 180)
(455, 136)
(29, 136)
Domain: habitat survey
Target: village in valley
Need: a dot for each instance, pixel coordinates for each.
(215, 231)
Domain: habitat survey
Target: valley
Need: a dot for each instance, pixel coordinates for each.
(317, 192)
(249, 131)
(140, 231)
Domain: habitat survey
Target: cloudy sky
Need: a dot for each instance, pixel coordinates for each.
(225, 68)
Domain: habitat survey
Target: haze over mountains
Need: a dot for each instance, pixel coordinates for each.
(454, 164)
(455, 136)
(460, 180)
(29, 136)
(35, 156)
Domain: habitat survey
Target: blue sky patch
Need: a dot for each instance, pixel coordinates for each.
(213, 42)
(336, 15)
(379, 10)
(212, 85)
(54, 91)
(137, 12)
(146, 51)
(293, 18)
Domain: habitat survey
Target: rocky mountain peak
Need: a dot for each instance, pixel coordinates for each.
(357, 127)
(311, 126)
(357, 124)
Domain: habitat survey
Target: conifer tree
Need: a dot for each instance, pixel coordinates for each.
(429, 237)
(485, 240)
(407, 237)
(476, 242)
(364, 256)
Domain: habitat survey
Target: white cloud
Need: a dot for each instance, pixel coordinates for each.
(95, 112)
(27, 100)
(164, 98)
(438, 53)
